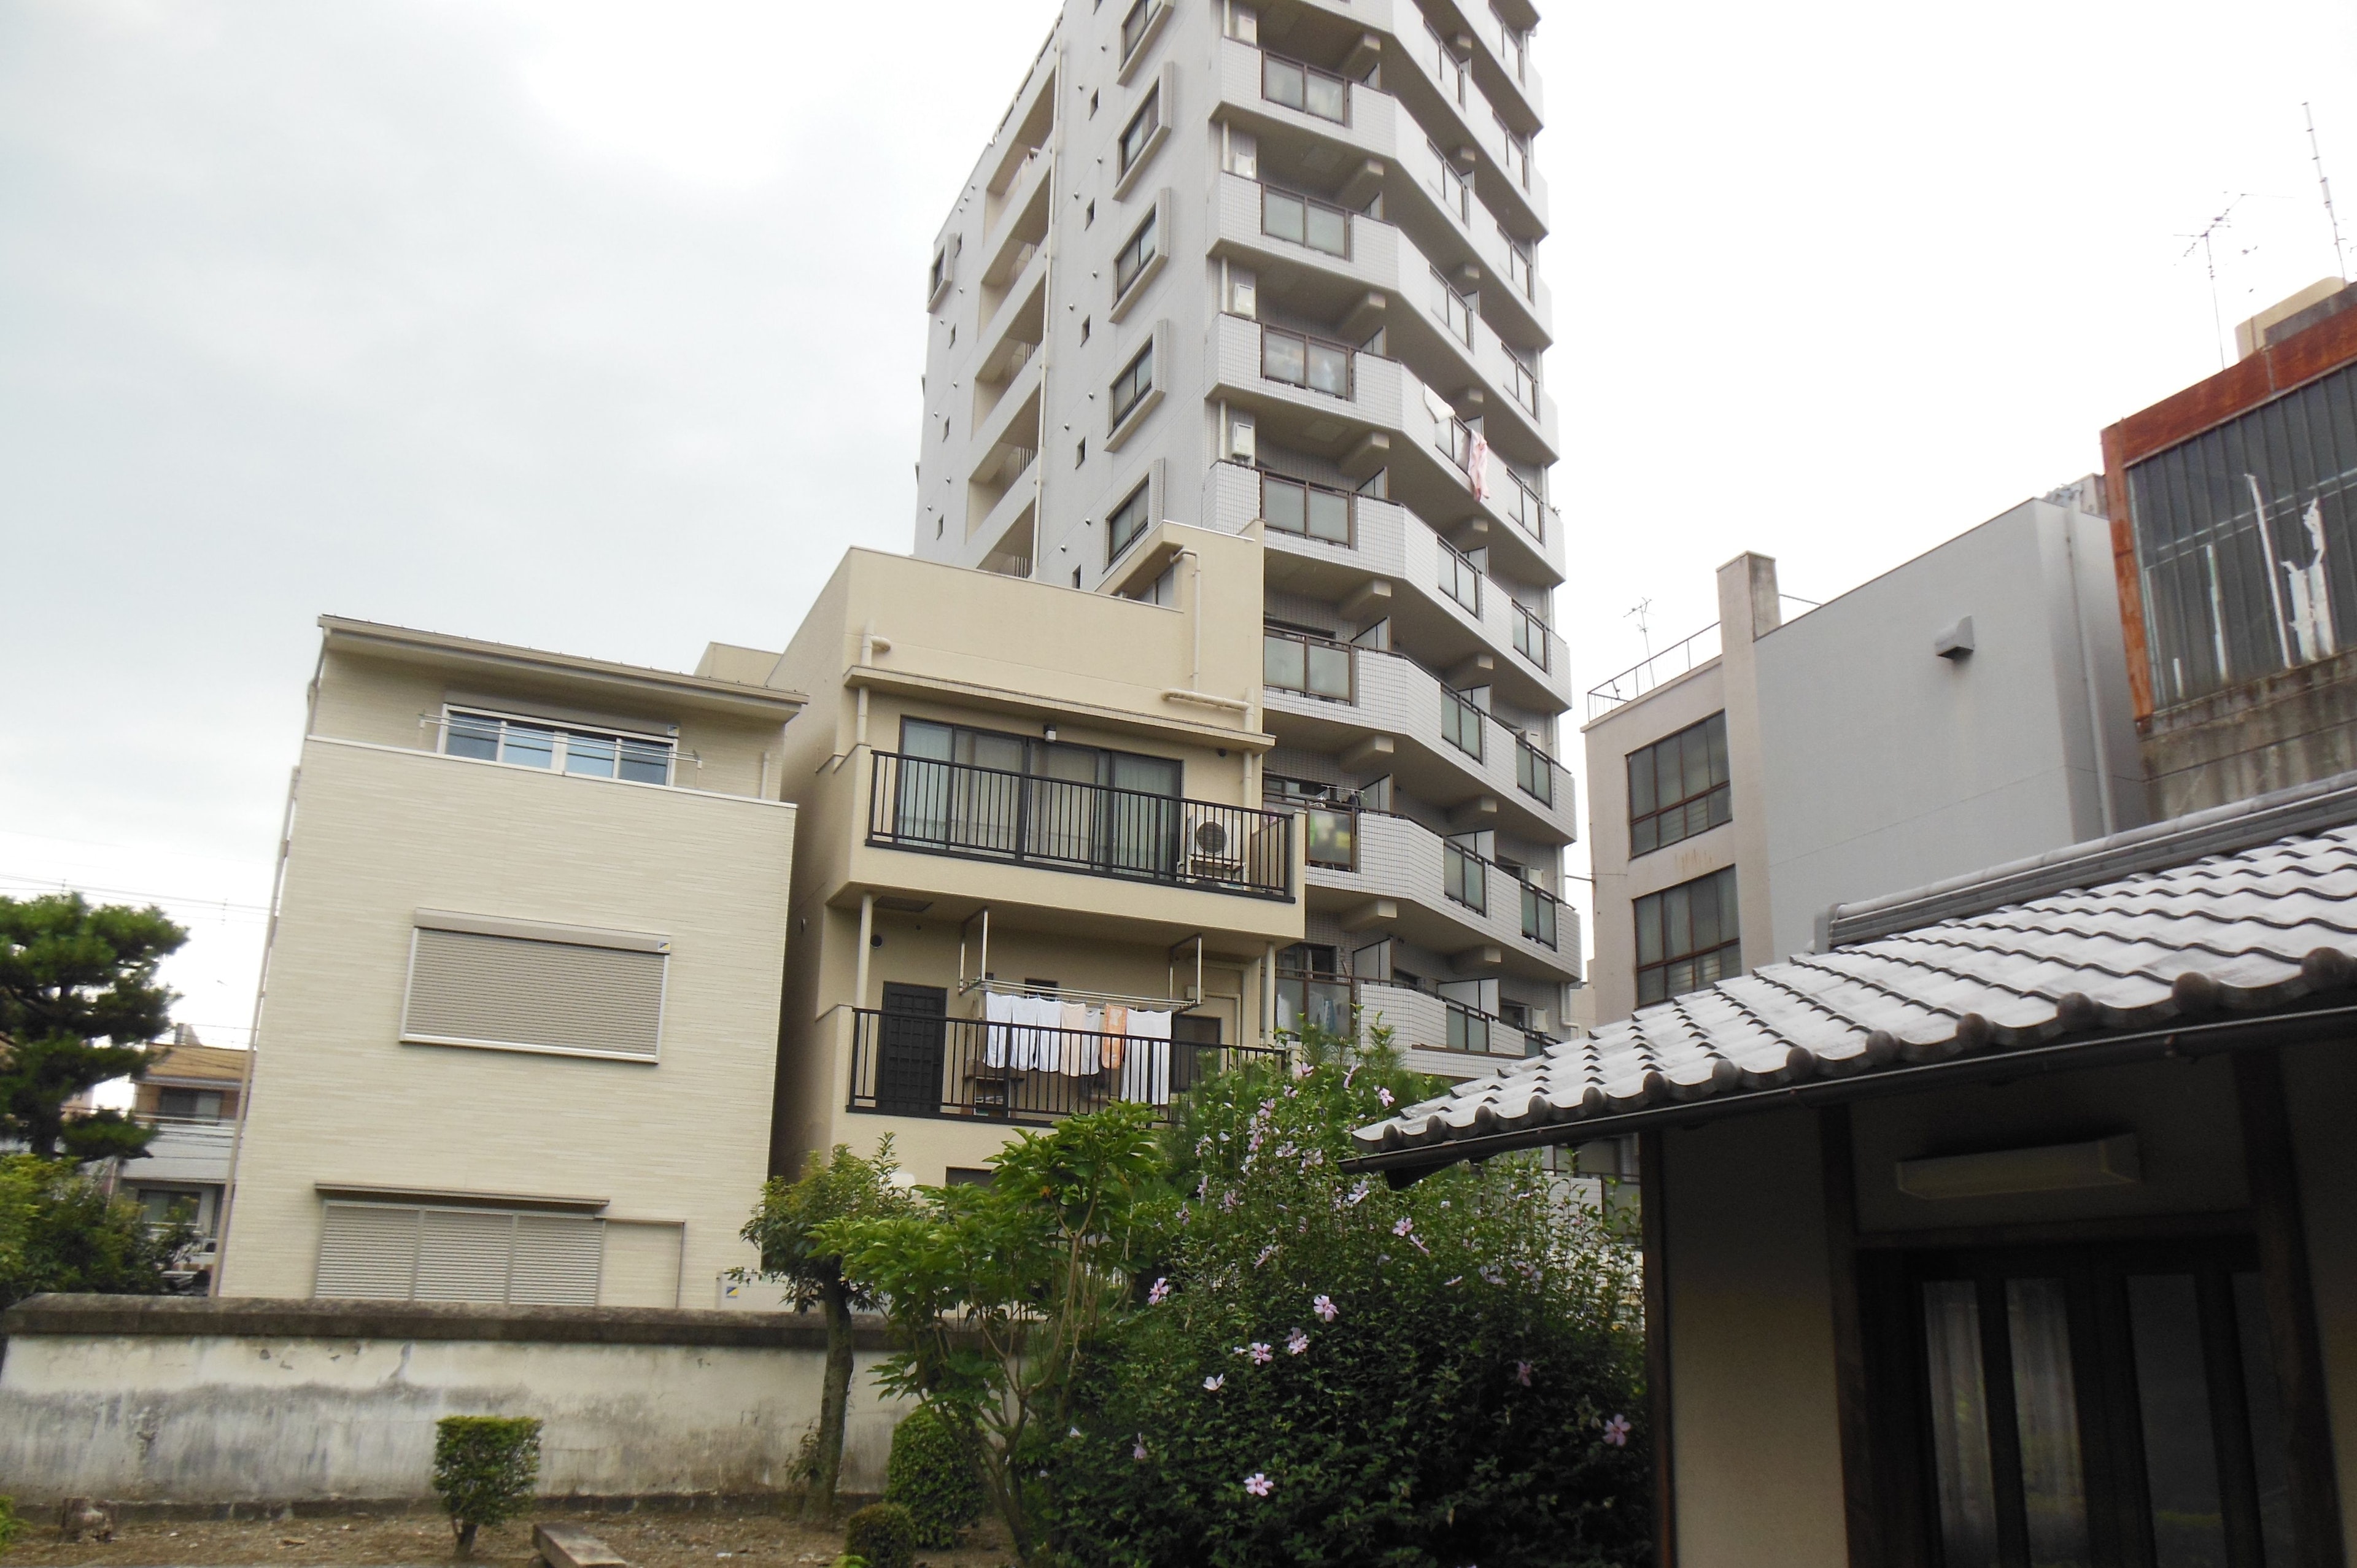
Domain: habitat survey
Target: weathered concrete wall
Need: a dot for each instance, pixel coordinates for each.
(2270, 734)
(211, 1403)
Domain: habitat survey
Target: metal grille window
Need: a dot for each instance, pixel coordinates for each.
(1314, 666)
(1687, 938)
(384, 1252)
(1465, 876)
(1303, 361)
(1140, 129)
(520, 986)
(1460, 578)
(1678, 786)
(1305, 87)
(1135, 254)
(1320, 225)
(1136, 380)
(1533, 771)
(1530, 639)
(2246, 537)
(1455, 312)
(1313, 511)
(589, 753)
(1461, 723)
(1129, 519)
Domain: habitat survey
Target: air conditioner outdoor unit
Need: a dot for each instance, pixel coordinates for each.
(1211, 849)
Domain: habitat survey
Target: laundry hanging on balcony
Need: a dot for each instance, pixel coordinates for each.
(1477, 466)
(1145, 1073)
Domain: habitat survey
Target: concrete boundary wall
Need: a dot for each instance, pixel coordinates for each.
(211, 1404)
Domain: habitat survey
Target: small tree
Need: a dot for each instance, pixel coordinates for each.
(70, 976)
(999, 1293)
(842, 1187)
(484, 1469)
(59, 1231)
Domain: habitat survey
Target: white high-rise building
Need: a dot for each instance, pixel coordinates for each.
(1269, 269)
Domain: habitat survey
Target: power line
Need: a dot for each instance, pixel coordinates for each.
(67, 885)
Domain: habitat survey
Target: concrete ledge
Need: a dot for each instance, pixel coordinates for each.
(291, 1508)
(257, 1318)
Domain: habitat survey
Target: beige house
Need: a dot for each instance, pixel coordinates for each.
(190, 1096)
(521, 1000)
(1035, 872)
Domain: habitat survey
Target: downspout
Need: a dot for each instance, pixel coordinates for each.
(1268, 995)
(867, 939)
(261, 982)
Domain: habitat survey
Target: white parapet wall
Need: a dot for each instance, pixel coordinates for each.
(218, 1402)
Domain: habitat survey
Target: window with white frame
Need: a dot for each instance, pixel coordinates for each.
(564, 748)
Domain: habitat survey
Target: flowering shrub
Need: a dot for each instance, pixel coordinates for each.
(1459, 1369)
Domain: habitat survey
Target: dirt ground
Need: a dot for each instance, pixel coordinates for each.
(423, 1540)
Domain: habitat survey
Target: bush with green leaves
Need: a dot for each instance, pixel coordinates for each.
(1321, 1370)
(484, 1470)
(10, 1525)
(881, 1534)
(932, 1474)
(61, 1232)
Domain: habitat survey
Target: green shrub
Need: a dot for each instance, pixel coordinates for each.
(848, 1561)
(484, 1469)
(9, 1523)
(881, 1534)
(931, 1474)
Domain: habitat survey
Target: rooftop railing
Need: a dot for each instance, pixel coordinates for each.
(1678, 659)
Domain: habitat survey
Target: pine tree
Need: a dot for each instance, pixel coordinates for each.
(73, 975)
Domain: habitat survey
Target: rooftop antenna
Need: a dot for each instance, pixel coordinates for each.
(1637, 612)
(2225, 219)
(2340, 257)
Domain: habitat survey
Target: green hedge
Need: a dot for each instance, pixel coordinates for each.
(484, 1469)
(932, 1475)
(881, 1534)
(9, 1523)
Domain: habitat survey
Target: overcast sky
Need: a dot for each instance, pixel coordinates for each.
(597, 327)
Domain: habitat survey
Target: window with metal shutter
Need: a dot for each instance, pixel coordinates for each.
(381, 1252)
(469, 988)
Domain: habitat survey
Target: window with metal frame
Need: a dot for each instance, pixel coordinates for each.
(1454, 192)
(1134, 26)
(1687, 938)
(1311, 512)
(1465, 875)
(1298, 359)
(1460, 578)
(1521, 380)
(1304, 221)
(1520, 271)
(1129, 520)
(1135, 254)
(1455, 312)
(1533, 771)
(1141, 128)
(1538, 914)
(1130, 387)
(559, 747)
(1313, 666)
(1530, 637)
(1461, 723)
(1299, 85)
(1678, 787)
(1469, 1030)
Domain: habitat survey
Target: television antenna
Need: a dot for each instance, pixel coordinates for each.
(2316, 154)
(1637, 612)
(2203, 242)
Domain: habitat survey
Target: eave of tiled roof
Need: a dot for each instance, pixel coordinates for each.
(2223, 951)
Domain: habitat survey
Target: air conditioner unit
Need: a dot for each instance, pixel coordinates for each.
(1211, 849)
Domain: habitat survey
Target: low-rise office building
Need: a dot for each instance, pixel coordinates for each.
(1965, 708)
(520, 1005)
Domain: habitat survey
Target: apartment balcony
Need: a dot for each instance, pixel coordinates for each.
(1010, 1074)
(1323, 259)
(1437, 1036)
(1021, 303)
(1382, 712)
(1450, 96)
(1024, 820)
(1367, 412)
(1332, 545)
(1017, 217)
(1376, 870)
(184, 1151)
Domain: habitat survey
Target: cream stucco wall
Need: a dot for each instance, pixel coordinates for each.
(382, 829)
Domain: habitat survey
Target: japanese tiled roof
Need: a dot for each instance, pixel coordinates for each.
(2247, 932)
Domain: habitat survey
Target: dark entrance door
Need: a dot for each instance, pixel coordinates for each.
(908, 1051)
(2094, 1405)
(1194, 1049)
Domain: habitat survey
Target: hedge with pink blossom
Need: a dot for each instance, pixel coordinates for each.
(1321, 1370)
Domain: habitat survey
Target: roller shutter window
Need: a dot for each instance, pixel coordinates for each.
(380, 1252)
(469, 988)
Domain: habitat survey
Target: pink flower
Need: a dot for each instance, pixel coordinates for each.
(1403, 1225)
(1325, 1309)
(1266, 1253)
(1260, 1353)
(1386, 1096)
(1213, 1385)
(1259, 1485)
(1160, 1294)
(1522, 1373)
(1616, 1432)
(1138, 1453)
(1359, 1192)
(1296, 1343)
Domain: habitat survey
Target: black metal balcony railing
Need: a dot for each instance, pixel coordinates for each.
(985, 814)
(914, 1064)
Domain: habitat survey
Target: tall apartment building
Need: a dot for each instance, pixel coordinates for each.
(2233, 508)
(1268, 270)
(1966, 709)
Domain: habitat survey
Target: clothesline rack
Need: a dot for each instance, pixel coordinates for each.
(983, 980)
